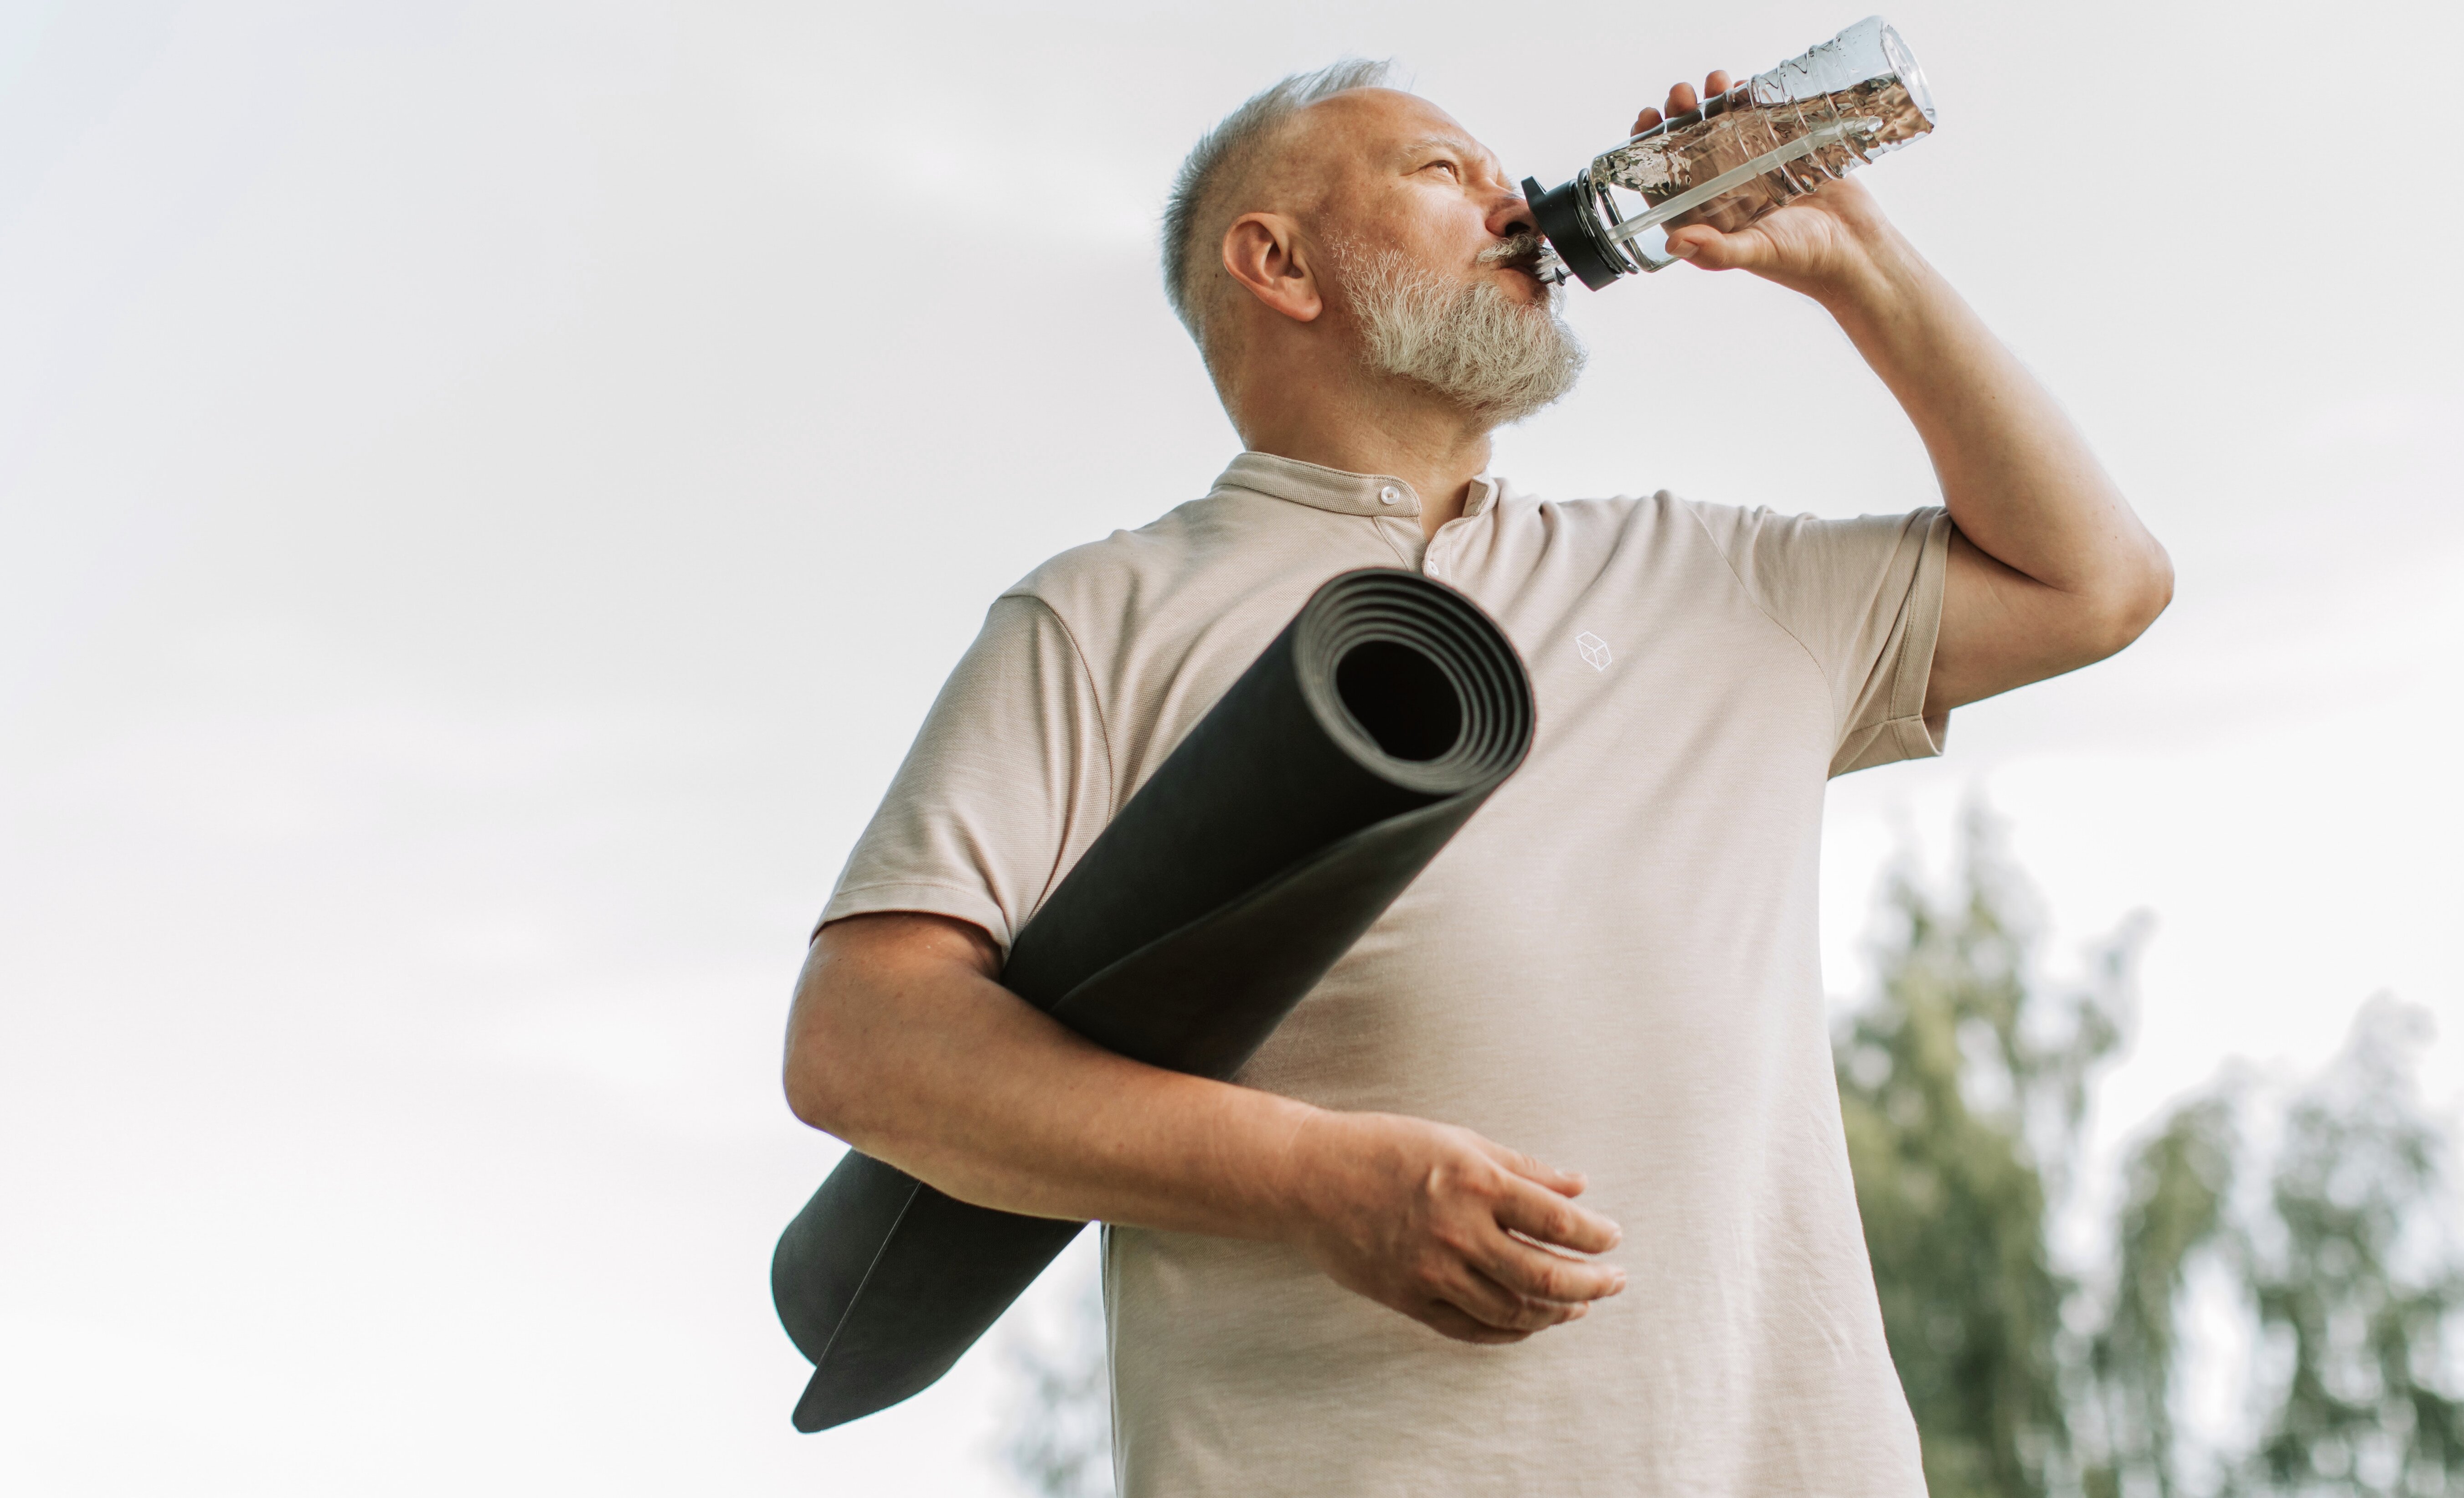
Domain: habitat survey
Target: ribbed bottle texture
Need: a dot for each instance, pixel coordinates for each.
(1773, 138)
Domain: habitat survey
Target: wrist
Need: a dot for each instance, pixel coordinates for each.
(1296, 1181)
(1876, 285)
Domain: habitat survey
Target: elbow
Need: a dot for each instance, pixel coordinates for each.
(874, 991)
(814, 1105)
(2130, 604)
(821, 1081)
(2150, 594)
(810, 1095)
(814, 1073)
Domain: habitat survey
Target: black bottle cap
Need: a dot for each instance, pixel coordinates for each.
(1561, 218)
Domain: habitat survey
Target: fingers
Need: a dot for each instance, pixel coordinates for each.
(1705, 247)
(1548, 1215)
(1493, 1304)
(1548, 1218)
(1681, 99)
(1564, 1182)
(1454, 1322)
(1538, 1274)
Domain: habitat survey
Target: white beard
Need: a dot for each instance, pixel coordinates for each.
(1469, 343)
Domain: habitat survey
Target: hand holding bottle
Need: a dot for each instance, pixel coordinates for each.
(1815, 244)
(1738, 154)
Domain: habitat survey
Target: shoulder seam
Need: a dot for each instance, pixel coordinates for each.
(1094, 689)
(1104, 729)
(1811, 659)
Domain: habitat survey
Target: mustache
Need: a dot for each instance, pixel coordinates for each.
(1518, 251)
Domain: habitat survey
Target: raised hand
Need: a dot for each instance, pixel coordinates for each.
(1822, 244)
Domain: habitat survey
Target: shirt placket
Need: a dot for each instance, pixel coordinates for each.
(1397, 518)
(1437, 558)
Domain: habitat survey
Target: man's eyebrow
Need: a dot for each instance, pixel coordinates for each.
(1470, 150)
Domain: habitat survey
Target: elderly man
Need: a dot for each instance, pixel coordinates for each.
(1544, 1189)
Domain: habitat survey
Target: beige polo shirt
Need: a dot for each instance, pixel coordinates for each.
(1614, 967)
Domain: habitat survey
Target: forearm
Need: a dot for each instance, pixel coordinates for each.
(902, 1044)
(936, 1068)
(2048, 569)
(2017, 477)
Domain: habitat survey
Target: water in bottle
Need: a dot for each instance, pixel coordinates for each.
(1775, 137)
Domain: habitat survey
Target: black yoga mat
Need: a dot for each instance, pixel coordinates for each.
(1274, 835)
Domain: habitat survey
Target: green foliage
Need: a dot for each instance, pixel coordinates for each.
(1962, 1091)
(2352, 1290)
(2175, 1190)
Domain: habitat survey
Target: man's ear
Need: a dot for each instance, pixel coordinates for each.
(1262, 253)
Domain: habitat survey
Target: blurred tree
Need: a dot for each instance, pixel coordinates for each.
(2175, 1188)
(1963, 1085)
(2343, 1261)
(2354, 1284)
(1060, 1438)
(1962, 1088)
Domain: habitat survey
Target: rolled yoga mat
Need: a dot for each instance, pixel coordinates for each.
(1274, 835)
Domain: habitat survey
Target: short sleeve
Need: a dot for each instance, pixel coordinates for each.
(1864, 598)
(1007, 782)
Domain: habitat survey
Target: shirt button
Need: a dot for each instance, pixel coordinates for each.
(1389, 495)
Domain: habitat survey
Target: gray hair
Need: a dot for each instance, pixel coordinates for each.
(1225, 154)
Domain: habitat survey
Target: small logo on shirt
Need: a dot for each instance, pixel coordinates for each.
(1593, 648)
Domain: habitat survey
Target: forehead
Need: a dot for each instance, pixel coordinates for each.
(1376, 126)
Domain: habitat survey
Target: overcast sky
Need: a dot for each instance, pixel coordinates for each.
(486, 491)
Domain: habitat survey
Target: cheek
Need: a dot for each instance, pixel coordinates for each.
(1439, 228)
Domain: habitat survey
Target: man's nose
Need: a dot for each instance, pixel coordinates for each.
(1509, 215)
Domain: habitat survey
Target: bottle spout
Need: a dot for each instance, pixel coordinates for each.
(1559, 214)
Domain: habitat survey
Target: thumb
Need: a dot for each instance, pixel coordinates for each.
(1702, 245)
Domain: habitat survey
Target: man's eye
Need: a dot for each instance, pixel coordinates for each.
(1449, 168)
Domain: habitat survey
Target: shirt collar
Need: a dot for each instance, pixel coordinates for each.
(1332, 489)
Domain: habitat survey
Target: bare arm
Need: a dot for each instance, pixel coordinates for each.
(901, 1044)
(2050, 570)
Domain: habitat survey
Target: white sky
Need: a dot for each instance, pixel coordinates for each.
(486, 492)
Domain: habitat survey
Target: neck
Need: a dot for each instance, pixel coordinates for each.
(1365, 428)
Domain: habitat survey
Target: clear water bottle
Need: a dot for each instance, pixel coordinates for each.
(1777, 136)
